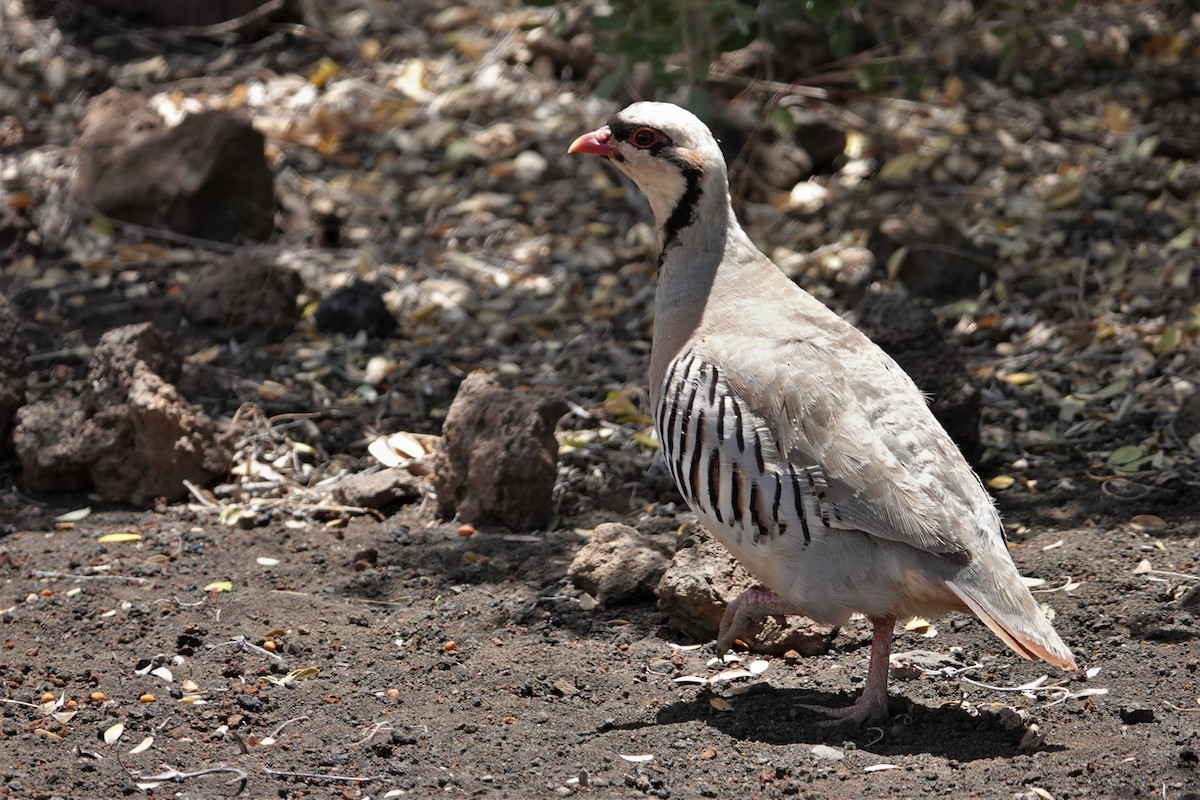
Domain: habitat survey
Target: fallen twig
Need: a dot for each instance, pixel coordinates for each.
(347, 778)
(374, 729)
(77, 577)
(199, 495)
(1036, 687)
(245, 644)
(270, 737)
(178, 776)
(18, 703)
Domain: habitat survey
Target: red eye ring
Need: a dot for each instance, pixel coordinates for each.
(645, 138)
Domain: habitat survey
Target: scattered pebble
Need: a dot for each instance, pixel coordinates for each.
(828, 753)
(1136, 716)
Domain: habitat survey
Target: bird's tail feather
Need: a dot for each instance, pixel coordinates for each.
(1033, 639)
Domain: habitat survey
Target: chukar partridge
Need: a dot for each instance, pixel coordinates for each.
(798, 442)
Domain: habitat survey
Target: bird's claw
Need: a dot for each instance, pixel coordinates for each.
(863, 710)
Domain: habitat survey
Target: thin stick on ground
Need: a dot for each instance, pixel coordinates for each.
(77, 577)
(346, 778)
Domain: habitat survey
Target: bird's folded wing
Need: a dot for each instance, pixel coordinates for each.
(846, 409)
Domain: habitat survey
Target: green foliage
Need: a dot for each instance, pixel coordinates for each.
(696, 30)
(680, 39)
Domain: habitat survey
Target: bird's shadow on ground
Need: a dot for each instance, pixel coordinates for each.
(776, 716)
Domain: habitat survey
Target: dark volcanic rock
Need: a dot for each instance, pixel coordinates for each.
(354, 308)
(498, 461)
(207, 177)
(247, 297)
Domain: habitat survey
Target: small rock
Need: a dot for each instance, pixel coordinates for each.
(828, 753)
(246, 297)
(619, 562)
(498, 461)
(1136, 716)
(807, 197)
(207, 177)
(354, 308)
(379, 489)
(703, 578)
(530, 166)
(249, 703)
(46, 447)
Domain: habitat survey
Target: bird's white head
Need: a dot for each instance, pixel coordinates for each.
(669, 153)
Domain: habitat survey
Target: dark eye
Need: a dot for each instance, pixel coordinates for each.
(646, 137)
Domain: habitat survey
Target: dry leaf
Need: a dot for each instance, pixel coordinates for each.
(1148, 522)
(1002, 482)
(111, 538)
(900, 168)
(113, 732)
(720, 704)
(74, 516)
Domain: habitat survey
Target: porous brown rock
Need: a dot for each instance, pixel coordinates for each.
(498, 461)
(246, 297)
(207, 177)
(130, 435)
(703, 579)
(45, 444)
(619, 562)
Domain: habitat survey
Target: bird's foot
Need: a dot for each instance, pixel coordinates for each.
(747, 609)
(864, 709)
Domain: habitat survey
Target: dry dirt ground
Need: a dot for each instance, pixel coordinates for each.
(447, 666)
(331, 655)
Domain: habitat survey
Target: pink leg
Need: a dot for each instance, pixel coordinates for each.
(748, 608)
(873, 702)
